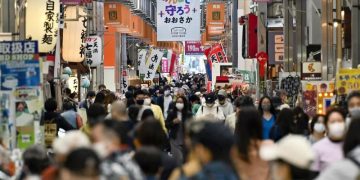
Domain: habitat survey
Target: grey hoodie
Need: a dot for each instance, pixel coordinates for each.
(344, 169)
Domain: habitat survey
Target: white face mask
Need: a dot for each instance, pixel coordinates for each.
(147, 102)
(167, 93)
(319, 128)
(355, 112)
(101, 149)
(337, 130)
(179, 106)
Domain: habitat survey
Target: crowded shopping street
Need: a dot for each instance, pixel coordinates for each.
(179, 90)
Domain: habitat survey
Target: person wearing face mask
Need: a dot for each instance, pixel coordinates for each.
(158, 114)
(353, 103)
(329, 149)
(90, 98)
(140, 99)
(165, 100)
(224, 103)
(240, 102)
(175, 122)
(267, 111)
(317, 129)
(210, 109)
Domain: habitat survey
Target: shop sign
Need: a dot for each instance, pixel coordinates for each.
(311, 71)
(153, 62)
(246, 76)
(19, 74)
(142, 61)
(216, 54)
(74, 34)
(165, 65)
(93, 51)
(347, 80)
(75, 2)
(194, 48)
(73, 84)
(178, 20)
(124, 81)
(42, 20)
(18, 50)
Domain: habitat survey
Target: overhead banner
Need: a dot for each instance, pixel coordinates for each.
(42, 19)
(165, 65)
(124, 81)
(153, 62)
(93, 52)
(178, 20)
(194, 48)
(18, 50)
(216, 54)
(142, 61)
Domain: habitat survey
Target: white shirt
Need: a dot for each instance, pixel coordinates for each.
(227, 108)
(167, 101)
(204, 113)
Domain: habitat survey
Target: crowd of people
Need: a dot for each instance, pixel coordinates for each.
(177, 132)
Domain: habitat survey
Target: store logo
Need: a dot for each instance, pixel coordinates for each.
(178, 32)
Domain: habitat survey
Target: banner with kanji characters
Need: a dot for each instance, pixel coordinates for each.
(93, 51)
(347, 80)
(18, 50)
(142, 61)
(153, 62)
(124, 81)
(216, 54)
(178, 20)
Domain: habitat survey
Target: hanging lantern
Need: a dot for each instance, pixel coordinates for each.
(85, 82)
(64, 77)
(42, 23)
(74, 34)
(67, 71)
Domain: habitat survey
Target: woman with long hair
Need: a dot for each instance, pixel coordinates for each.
(248, 134)
(268, 115)
(175, 122)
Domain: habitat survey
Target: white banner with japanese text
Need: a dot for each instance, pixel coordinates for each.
(153, 62)
(93, 52)
(142, 61)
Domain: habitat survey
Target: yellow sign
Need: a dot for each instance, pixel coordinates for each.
(348, 80)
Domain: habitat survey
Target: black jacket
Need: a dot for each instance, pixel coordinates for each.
(173, 128)
(60, 121)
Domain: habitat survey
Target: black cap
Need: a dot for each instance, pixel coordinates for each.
(210, 98)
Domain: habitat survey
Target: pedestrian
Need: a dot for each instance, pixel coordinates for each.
(224, 103)
(52, 122)
(129, 99)
(267, 111)
(158, 114)
(210, 109)
(36, 161)
(175, 122)
(317, 129)
(82, 163)
(212, 143)
(240, 102)
(349, 167)
(109, 138)
(118, 111)
(329, 149)
(290, 158)
(165, 99)
(283, 125)
(149, 160)
(90, 99)
(139, 97)
(96, 114)
(195, 103)
(101, 87)
(353, 106)
(248, 135)
(301, 122)
(72, 117)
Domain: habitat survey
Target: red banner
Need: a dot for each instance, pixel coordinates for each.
(216, 54)
(172, 62)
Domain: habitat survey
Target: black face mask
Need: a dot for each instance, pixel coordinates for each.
(140, 102)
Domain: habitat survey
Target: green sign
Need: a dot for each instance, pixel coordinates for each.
(248, 76)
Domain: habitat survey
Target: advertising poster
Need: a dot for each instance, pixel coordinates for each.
(19, 74)
(194, 48)
(311, 91)
(311, 71)
(25, 137)
(178, 20)
(348, 80)
(18, 50)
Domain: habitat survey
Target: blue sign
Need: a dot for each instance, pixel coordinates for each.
(18, 50)
(19, 74)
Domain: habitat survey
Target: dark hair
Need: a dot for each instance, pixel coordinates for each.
(334, 110)
(352, 138)
(120, 129)
(244, 101)
(149, 159)
(95, 114)
(146, 92)
(102, 86)
(100, 98)
(36, 159)
(68, 106)
(67, 91)
(90, 94)
(151, 133)
(50, 105)
(248, 127)
(216, 137)
(285, 121)
(186, 108)
(353, 94)
(147, 114)
(72, 95)
(194, 98)
(138, 92)
(83, 162)
(314, 120)
(133, 112)
(272, 108)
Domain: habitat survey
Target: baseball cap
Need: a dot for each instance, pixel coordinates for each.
(293, 149)
(210, 98)
(222, 93)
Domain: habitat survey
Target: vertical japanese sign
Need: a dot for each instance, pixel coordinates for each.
(216, 54)
(73, 84)
(124, 81)
(74, 34)
(164, 65)
(18, 50)
(42, 19)
(93, 52)
(142, 61)
(178, 20)
(153, 63)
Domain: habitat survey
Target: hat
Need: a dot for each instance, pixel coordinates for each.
(210, 98)
(293, 149)
(222, 93)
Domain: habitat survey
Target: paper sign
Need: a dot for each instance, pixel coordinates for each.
(93, 52)
(142, 61)
(153, 64)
